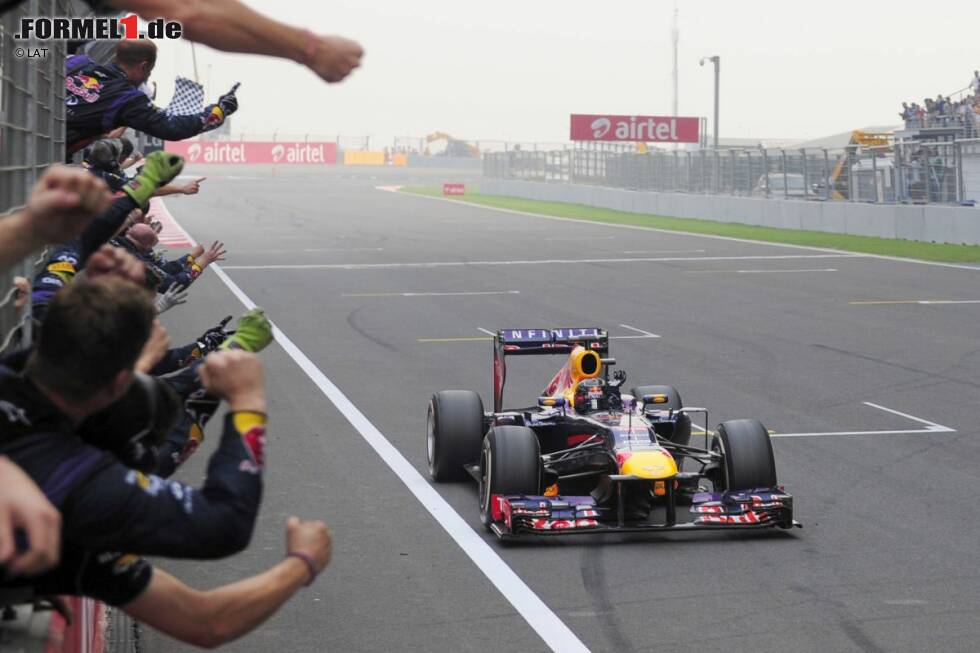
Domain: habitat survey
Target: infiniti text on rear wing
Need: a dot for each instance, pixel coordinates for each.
(539, 342)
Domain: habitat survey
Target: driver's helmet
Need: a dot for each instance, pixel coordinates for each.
(591, 395)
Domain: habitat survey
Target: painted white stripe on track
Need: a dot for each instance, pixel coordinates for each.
(777, 271)
(431, 294)
(883, 257)
(551, 261)
(527, 604)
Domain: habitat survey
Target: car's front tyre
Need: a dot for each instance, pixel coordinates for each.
(454, 433)
(510, 463)
(747, 459)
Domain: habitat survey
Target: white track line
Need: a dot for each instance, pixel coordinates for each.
(907, 416)
(664, 251)
(974, 268)
(931, 427)
(576, 238)
(431, 294)
(920, 302)
(554, 261)
(644, 334)
(528, 605)
(758, 271)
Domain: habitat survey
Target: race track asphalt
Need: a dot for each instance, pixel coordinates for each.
(886, 560)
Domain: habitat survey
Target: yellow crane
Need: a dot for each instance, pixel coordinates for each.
(860, 139)
(454, 146)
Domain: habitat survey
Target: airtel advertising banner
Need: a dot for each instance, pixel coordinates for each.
(254, 152)
(646, 129)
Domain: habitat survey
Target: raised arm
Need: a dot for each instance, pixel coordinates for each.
(212, 618)
(232, 26)
(62, 204)
(122, 509)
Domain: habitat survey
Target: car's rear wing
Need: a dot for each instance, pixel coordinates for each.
(539, 342)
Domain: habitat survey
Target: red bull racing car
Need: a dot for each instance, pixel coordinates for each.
(590, 458)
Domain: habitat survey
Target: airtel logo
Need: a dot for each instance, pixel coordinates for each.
(194, 152)
(277, 153)
(600, 127)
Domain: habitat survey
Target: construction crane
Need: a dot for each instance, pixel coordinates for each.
(859, 139)
(454, 146)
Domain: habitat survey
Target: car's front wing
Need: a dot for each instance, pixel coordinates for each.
(513, 516)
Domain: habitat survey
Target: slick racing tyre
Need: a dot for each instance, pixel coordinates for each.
(679, 432)
(454, 433)
(510, 463)
(747, 460)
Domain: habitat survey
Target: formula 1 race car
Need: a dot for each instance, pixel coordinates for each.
(589, 458)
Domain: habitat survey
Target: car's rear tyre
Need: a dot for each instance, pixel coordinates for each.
(747, 459)
(454, 433)
(680, 432)
(510, 463)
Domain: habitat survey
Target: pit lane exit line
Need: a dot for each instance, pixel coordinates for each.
(552, 630)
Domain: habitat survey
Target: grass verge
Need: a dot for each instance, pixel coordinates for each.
(863, 244)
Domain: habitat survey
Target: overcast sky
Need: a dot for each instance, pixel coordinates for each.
(514, 70)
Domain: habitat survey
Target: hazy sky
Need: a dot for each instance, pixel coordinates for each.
(510, 70)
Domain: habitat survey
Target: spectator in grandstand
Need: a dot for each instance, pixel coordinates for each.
(25, 510)
(906, 112)
(82, 365)
(65, 261)
(63, 203)
(975, 83)
(101, 98)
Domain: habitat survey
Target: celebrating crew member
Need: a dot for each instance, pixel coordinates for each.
(101, 98)
(67, 260)
(83, 363)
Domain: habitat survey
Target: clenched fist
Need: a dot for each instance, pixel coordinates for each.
(237, 377)
(63, 202)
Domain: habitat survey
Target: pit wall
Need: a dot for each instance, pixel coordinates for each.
(927, 223)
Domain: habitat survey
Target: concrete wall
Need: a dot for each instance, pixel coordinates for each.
(941, 224)
(455, 163)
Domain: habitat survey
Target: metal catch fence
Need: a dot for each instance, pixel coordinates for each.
(32, 133)
(946, 172)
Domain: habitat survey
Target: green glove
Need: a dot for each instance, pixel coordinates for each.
(252, 333)
(158, 170)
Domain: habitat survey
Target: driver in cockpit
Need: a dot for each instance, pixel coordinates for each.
(595, 395)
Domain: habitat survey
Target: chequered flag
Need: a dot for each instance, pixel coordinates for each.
(188, 98)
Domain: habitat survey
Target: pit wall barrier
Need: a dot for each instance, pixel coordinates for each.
(926, 223)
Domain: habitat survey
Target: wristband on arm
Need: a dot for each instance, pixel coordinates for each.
(309, 563)
(309, 54)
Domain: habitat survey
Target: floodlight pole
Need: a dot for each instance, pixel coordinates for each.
(716, 60)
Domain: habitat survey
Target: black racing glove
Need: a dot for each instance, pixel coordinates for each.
(211, 339)
(229, 101)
